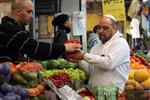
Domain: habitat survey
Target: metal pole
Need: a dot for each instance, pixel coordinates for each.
(34, 21)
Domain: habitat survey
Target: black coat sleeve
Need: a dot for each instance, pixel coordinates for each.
(21, 43)
(14, 40)
(60, 38)
(36, 49)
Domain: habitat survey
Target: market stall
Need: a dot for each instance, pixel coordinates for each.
(33, 80)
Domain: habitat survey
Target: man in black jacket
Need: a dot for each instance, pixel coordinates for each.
(15, 41)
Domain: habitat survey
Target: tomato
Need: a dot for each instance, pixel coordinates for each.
(76, 41)
(67, 41)
(72, 41)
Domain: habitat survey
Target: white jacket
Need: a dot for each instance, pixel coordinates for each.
(108, 63)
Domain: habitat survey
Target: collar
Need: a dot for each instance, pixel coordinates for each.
(66, 29)
(10, 20)
(116, 35)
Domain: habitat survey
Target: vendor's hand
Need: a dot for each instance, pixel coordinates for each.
(76, 56)
(72, 47)
(74, 60)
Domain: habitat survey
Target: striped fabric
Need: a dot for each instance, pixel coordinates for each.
(15, 41)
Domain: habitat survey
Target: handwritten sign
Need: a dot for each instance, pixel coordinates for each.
(115, 8)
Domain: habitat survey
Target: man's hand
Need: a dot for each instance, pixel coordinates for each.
(72, 47)
(76, 56)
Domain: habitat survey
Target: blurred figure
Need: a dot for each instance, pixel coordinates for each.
(93, 38)
(63, 24)
(108, 62)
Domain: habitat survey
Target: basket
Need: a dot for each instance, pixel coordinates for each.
(138, 95)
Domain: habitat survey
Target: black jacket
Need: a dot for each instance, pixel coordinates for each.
(15, 41)
(61, 34)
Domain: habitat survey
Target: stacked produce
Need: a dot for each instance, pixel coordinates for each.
(7, 90)
(74, 74)
(106, 92)
(57, 64)
(143, 55)
(71, 77)
(25, 80)
(138, 85)
(60, 79)
(86, 93)
(5, 73)
(138, 62)
(13, 92)
(62, 72)
(27, 75)
(140, 81)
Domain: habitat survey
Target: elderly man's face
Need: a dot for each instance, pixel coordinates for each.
(106, 29)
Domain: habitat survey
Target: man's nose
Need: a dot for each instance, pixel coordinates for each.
(31, 14)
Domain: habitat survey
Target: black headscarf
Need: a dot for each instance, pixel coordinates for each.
(60, 20)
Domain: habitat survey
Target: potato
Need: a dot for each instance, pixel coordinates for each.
(129, 88)
(131, 82)
(146, 84)
(139, 87)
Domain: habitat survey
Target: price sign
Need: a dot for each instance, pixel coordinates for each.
(115, 8)
(65, 92)
(69, 93)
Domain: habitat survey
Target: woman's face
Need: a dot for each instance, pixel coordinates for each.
(68, 23)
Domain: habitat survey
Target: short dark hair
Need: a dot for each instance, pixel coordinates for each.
(96, 27)
(18, 4)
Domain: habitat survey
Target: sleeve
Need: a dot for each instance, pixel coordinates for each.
(114, 55)
(83, 65)
(38, 50)
(61, 37)
(95, 41)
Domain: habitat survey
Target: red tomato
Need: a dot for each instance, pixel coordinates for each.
(77, 41)
(66, 42)
(72, 41)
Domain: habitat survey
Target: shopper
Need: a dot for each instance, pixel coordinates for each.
(15, 41)
(108, 62)
(62, 23)
(93, 38)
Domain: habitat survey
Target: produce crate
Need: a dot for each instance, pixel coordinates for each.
(106, 92)
(137, 95)
(76, 84)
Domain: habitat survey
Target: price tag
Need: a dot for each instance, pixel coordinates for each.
(69, 93)
(65, 92)
(54, 88)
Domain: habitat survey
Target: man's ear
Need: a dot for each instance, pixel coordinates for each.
(18, 12)
(116, 27)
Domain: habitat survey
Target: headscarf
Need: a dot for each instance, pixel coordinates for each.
(60, 20)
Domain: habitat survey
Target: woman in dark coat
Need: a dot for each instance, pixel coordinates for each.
(63, 25)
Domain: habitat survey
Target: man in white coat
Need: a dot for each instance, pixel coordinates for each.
(108, 62)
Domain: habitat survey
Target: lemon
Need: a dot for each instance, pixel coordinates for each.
(141, 75)
(131, 74)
